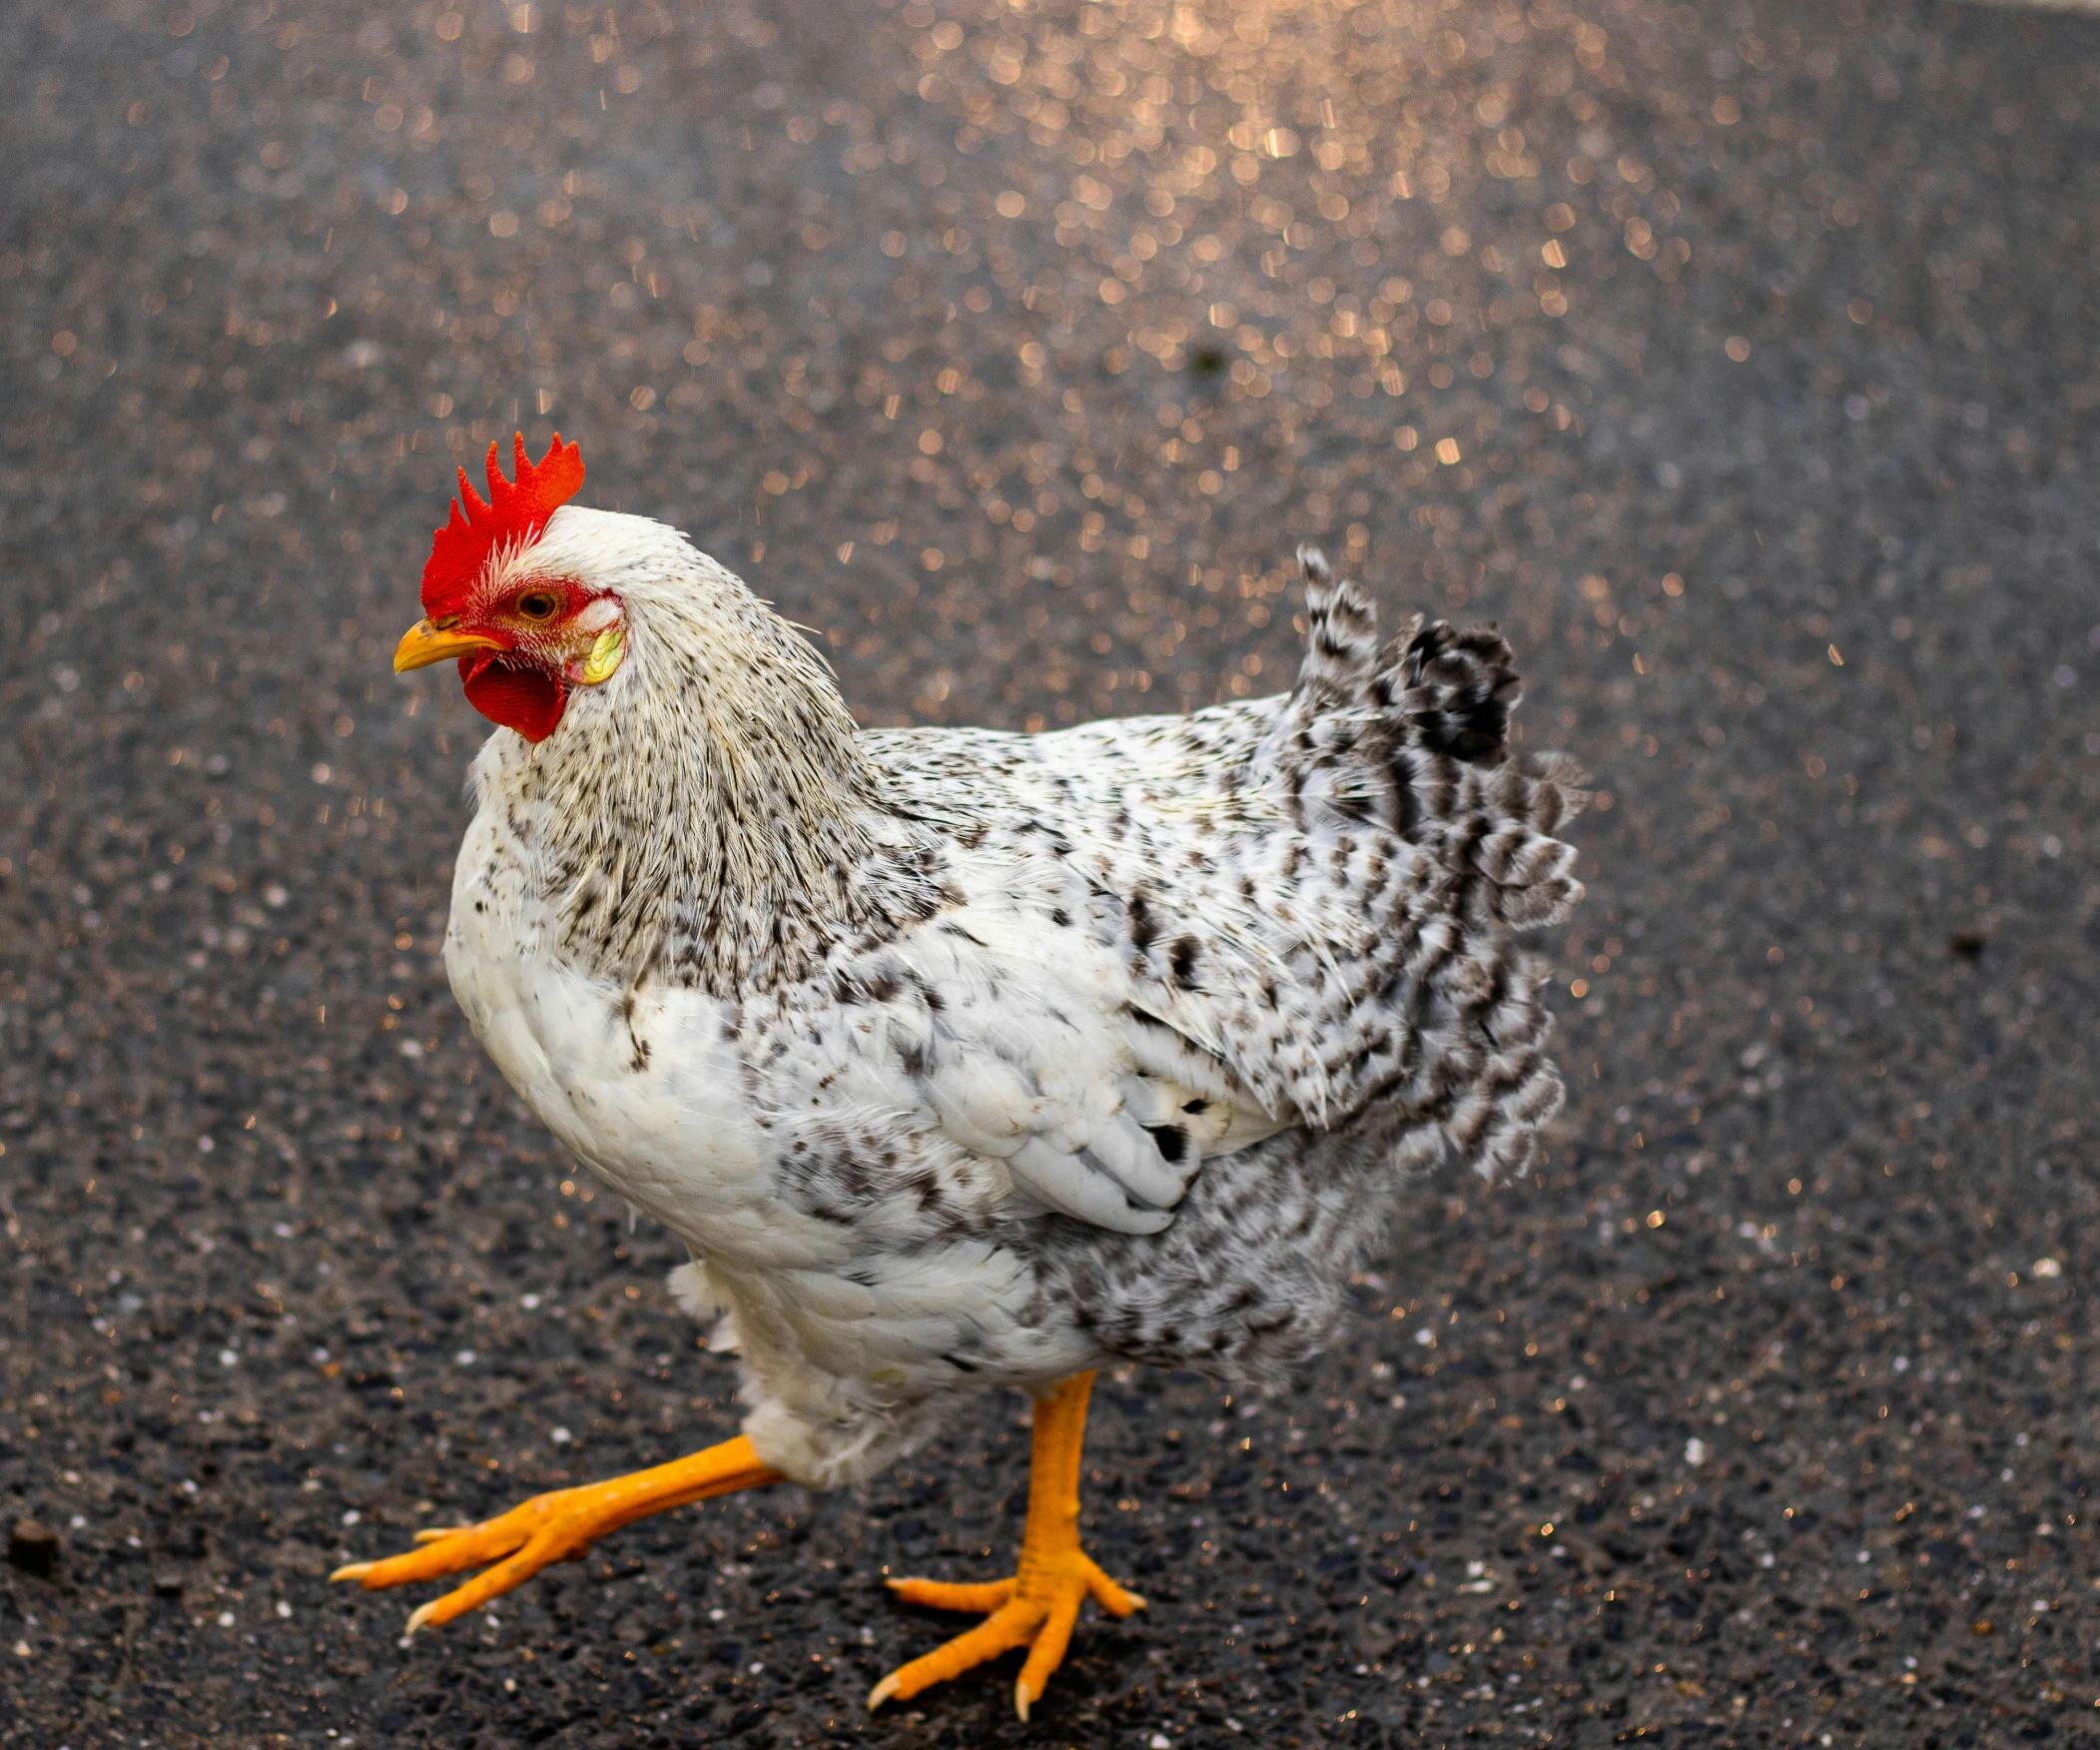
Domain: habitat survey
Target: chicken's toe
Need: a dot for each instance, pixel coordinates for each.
(559, 1541)
(441, 1552)
(1014, 1624)
(950, 1596)
(1048, 1652)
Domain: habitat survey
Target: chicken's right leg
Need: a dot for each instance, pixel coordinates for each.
(1038, 1607)
(555, 1527)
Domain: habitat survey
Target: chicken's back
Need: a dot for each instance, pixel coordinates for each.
(1326, 888)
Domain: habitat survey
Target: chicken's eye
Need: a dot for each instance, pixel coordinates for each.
(539, 606)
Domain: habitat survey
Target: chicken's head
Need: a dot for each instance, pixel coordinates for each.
(525, 636)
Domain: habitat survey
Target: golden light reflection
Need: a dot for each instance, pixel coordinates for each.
(1385, 212)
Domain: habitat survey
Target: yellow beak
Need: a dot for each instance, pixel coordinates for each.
(425, 643)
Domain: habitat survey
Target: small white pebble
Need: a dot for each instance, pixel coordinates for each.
(465, 1357)
(1695, 1450)
(528, 1302)
(351, 1516)
(226, 1619)
(561, 1436)
(282, 1609)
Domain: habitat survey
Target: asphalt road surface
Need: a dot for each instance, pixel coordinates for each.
(1740, 360)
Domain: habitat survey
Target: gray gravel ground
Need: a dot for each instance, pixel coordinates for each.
(1739, 359)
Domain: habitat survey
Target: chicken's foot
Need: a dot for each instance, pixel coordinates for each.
(553, 1528)
(1038, 1607)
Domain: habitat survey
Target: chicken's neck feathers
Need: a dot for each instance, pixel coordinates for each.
(704, 818)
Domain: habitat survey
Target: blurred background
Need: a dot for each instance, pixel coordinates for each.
(1739, 359)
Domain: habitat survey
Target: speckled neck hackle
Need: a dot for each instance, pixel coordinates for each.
(706, 817)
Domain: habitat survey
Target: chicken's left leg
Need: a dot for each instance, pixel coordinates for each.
(555, 1527)
(1038, 1607)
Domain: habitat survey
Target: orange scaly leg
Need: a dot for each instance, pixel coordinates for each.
(1038, 1607)
(555, 1527)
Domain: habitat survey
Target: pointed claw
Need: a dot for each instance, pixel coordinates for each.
(420, 1615)
(352, 1571)
(1022, 1698)
(882, 1692)
(431, 1533)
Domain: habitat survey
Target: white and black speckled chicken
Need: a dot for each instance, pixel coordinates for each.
(964, 1059)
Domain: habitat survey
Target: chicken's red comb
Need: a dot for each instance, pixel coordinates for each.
(513, 517)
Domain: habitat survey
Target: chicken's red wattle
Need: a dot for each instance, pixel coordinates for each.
(518, 697)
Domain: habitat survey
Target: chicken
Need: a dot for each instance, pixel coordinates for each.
(962, 1060)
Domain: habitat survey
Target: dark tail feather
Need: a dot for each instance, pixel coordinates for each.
(1455, 689)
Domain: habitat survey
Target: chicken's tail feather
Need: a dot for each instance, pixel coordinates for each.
(1417, 731)
(1443, 689)
(1342, 633)
(1455, 689)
